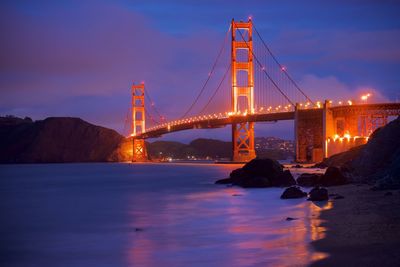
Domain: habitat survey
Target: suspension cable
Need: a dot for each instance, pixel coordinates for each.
(280, 66)
(152, 105)
(216, 90)
(209, 75)
(263, 69)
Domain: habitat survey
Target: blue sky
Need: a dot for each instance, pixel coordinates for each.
(78, 58)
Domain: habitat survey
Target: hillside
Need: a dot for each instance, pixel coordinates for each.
(57, 140)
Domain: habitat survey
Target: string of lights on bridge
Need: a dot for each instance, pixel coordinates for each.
(261, 110)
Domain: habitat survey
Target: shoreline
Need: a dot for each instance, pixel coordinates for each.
(363, 229)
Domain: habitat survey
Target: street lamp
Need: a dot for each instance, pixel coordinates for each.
(365, 97)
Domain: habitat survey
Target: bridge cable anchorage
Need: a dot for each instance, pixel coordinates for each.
(216, 90)
(153, 106)
(209, 75)
(281, 67)
(263, 69)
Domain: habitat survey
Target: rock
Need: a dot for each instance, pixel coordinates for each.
(297, 166)
(237, 195)
(293, 192)
(333, 176)
(318, 194)
(138, 229)
(308, 179)
(256, 182)
(388, 194)
(284, 179)
(259, 173)
(263, 167)
(224, 181)
(290, 219)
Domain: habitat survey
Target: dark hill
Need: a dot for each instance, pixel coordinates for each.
(56, 140)
(212, 148)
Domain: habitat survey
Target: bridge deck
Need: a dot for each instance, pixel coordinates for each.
(216, 123)
(388, 109)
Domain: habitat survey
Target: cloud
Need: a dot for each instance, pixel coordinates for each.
(84, 51)
(331, 88)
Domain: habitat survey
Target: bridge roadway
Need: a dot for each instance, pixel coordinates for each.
(219, 122)
(388, 109)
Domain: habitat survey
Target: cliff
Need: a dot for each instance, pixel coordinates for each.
(57, 140)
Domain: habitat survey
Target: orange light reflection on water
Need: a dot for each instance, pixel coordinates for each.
(214, 224)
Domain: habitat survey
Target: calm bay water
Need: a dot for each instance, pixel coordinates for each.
(147, 215)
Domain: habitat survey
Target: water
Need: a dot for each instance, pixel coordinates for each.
(147, 215)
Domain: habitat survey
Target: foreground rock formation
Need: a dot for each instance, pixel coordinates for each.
(260, 173)
(58, 140)
(376, 162)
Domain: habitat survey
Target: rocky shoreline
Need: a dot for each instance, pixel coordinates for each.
(363, 227)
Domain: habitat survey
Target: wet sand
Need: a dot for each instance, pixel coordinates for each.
(363, 229)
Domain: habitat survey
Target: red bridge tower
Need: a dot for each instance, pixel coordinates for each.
(138, 123)
(242, 86)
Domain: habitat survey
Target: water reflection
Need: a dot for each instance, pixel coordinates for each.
(224, 226)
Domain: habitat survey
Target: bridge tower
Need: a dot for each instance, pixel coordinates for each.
(242, 87)
(138, 123)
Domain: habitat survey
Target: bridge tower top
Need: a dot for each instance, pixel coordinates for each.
(138, 109)
(242, 62)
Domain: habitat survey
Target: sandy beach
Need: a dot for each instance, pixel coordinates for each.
(363, 229)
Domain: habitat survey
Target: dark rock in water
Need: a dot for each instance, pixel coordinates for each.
(318, 194)
(237, 195)
(284, 179)
(388, 194)
(224, 181)
(291, 219)
(309, 179)
(260, 173)
(333, 176)
(293, 192)
(263, 167)
(238, 175)
(256, 182)
(138, 229)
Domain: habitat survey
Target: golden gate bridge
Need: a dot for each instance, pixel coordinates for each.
(247, 84)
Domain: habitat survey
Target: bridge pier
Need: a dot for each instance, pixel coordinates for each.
(309, 141)
(139, 150)
(243, 142)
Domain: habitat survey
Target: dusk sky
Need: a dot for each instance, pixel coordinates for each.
(79, 58)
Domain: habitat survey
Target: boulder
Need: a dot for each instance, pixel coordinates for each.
(333, 176)
(284, 179)
(256, 182)
(293, 192)
(263, 167)
(297, 166)
(260, 173)
(309, 179)
(318, 194)
(224, 181)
